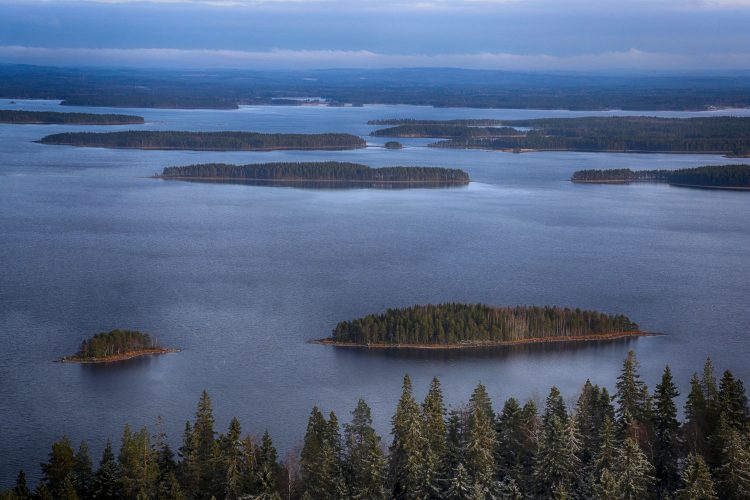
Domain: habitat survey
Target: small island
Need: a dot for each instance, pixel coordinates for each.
(727, 135)
(56, 118)
(329, 172)
(736, 177)
(478, 325)
(206, 141)
(116, 345)
(393, 145)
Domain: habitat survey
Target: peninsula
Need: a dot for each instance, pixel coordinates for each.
(116, 345)
(55, 118)
(478, 325)
(635, 134)
(324, 172)
(735, 177)
(206, 141)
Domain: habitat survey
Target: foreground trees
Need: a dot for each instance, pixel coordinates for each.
(627, 447)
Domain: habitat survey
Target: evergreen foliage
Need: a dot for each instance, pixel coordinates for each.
(468, 452)
(52, 117)
(732, 176)
(113, 343)
(466, 323)
(206, 141)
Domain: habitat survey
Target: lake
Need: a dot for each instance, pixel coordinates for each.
(241, 277)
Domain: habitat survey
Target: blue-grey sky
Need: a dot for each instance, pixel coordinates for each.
(590, 35)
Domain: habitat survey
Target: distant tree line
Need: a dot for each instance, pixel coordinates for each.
(727, 135)
(479, 122)
(708, 176)
(325, 171)
(393, 145)
(115, 342)
(52, 117)
(208, 141)
(456, 323)
(445, 130)
(629, 445)
(148, 100)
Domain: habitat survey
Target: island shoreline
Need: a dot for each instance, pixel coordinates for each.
(292, 181)
(119, 357)
(489, 343)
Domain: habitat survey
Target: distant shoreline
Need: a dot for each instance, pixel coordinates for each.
(305, 181)
(489, 343)
(156, 148)
(119, 357)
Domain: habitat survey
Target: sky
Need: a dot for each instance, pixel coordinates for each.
(525, 35)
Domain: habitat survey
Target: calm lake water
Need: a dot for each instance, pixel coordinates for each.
(240, 277)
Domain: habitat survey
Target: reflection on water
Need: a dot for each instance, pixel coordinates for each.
(495, 352)
(327, 185)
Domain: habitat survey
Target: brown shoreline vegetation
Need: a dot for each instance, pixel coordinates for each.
(478, 344)
(119, 357)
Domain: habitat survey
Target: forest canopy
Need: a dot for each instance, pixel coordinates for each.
(626, 444)
(318, 171)
(115, 343)
(727, 176)
(207, 141)
(52, 117)
(447, 324)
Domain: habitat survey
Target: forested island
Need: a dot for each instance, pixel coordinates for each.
(52, 117)
(330, 172)
(637, 134)
(713, 176)
(206, 141)
(116, 345)
(393, 145)
(475, 325)
(628, 444)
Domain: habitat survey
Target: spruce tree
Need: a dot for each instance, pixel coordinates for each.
(633, 404)
(481, 442)
(408, 447)
(137, 464)
(433, 414)
(734, 473)
(605, 486)
(107, 484)
(511, 440)
(696, 480)
(733, 402)
(83, 472)
(556, 462)
(21, 489)
(268, 468)
(695, 417)
(364, 456)
(667, 441)
(318, 458)
(555, 407)
(204, 445)
(460, 486)
(633, 471)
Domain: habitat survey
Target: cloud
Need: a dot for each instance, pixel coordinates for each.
(632, 59)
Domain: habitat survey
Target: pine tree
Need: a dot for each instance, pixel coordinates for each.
(666, 435)
(408, 447)
(481, 442)
(107, 485)
(696, 480)
(60, 467)
(364, 456)
(734, 473)
(633, 471)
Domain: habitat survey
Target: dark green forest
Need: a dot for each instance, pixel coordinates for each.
(113, 343)
(51, 117)
(480, 122)
(724, 135)
(625, 445)
(457, 323)
(206, 141)
(440, 87)
(323, 171)
(393, 145)
(735, 176)
(445, 130)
